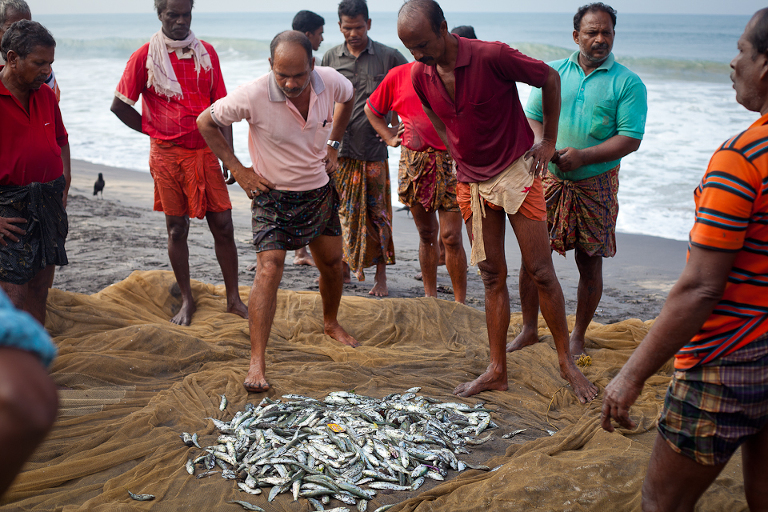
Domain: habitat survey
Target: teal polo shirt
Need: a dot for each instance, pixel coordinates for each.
(610, 101)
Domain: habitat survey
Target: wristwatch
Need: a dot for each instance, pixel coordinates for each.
(334, 144)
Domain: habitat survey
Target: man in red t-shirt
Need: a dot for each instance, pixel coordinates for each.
(468, 89)
(34, 169)
(177, 77)
(427, 179)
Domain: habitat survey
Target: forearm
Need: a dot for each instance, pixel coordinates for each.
(379, 124)
(218, 143)
(550, 104)
(342, 113)
(67, 164)
(537, 128)
(612, 149)
(438, 124)
(127, 114)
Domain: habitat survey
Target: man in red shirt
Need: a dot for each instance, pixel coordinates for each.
(468, 90)
(427, 181)
(34, 169)
(178, 76)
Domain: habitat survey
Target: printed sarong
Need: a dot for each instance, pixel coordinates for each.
(365, 211)
(583, 213)
(47, 226)
(427, 178)
(188, 182)
(291, 220)
(711, 409)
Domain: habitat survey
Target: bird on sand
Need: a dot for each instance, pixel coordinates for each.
(99, 186)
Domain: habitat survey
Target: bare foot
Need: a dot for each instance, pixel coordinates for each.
(524, 339)
(576, 346)
(490, 380)
(345, 272)
(184, 316)
(338, 333)
(255, 382)
(303, 257)
(418, 277)
(379, 288)
(585, 391)
(251, 267)
(238, 308)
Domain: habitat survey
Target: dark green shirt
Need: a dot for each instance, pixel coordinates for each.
(365, 72)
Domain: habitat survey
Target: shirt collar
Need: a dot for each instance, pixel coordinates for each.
(760, 122)
(463, 56)
(606, 65)
(368, 48)
(276, 95)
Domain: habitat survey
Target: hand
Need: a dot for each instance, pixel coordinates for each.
(331, 160)
(395, 135)
(229, 178)
(8, 228)
(542, 153)
(252, 182)
(568, 159)
(618, 397)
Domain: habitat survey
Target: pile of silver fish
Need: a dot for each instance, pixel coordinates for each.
(346, 446)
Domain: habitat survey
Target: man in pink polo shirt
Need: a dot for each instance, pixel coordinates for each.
(294, 114)
(468, 90)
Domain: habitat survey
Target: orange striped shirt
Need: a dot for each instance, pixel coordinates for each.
(732, 215)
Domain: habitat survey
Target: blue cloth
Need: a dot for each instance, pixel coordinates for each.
(610, 101)
(19, 330)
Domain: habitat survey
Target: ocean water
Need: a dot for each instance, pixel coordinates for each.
(682, 59)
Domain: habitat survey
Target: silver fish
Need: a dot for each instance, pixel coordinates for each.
(512, 434)
(247, 506)
(141, 497)
(190, 467)
(223, 404)
(247, 489)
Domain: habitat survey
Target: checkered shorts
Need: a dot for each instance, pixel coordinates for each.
(710, 410)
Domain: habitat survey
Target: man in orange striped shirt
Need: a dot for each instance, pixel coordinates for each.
(715, 321)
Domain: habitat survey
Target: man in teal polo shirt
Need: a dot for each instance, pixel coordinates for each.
(602, 119)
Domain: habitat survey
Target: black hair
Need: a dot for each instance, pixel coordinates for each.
(160, 5)
(429, 8)
(758, 36)
(467, 31)
(290, 36)
(307, 21)
(353, 9)
(595, 7)
(23, 37)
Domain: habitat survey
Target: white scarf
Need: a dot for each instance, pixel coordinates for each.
(160, 73)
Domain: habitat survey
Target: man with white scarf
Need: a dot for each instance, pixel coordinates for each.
(177, 77)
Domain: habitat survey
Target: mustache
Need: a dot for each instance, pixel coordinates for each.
(426, 60)
(600, 46)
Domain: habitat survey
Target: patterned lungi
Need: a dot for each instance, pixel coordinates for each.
(711, 409)
(291, 220)
(427, 178)
(47, 227)
(582, 214)
(365, 211)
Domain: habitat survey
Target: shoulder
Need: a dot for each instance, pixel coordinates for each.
(626, 74)
(209, 48)
(141, 53)
(329, 75)
(387, 51)
(751, 144)
(333, 52)
(560, 65)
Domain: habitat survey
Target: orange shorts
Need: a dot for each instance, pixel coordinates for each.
(188, 182)
(534, 207)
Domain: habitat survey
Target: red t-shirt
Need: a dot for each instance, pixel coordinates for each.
(30, 143)
(173, 119)
(396, 93)
(486, 127)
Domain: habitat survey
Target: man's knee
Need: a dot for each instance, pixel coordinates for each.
(221, 224)
(28, 397)
(178, 228)
(541, 272)
(452, 238)
(589, 266)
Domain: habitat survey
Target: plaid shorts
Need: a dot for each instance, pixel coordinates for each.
(710, 410)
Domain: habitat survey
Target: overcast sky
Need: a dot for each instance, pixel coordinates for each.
(623, 6)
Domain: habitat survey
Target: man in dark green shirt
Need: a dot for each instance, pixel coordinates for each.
(363, 176)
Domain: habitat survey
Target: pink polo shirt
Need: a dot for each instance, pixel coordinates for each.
(284, 148)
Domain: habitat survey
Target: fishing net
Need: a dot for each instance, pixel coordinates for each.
(131, 382)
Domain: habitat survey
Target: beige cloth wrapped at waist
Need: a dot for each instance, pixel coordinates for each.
(508, 189)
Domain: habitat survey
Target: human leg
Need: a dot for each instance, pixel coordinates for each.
(220, 224)
(326, 250)
(589, 293)
(28, 408)
(494, 273)
(754, 455)
(178, 253)
(675, 482)
(381, 250)
(533, 240)
(427, 226)
(262, 304)
(529, 304)
(455, 257)
(37, 294)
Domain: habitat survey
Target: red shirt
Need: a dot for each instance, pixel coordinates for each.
(173, 119)
(30, 143)
(486, 127)
(396, 93)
